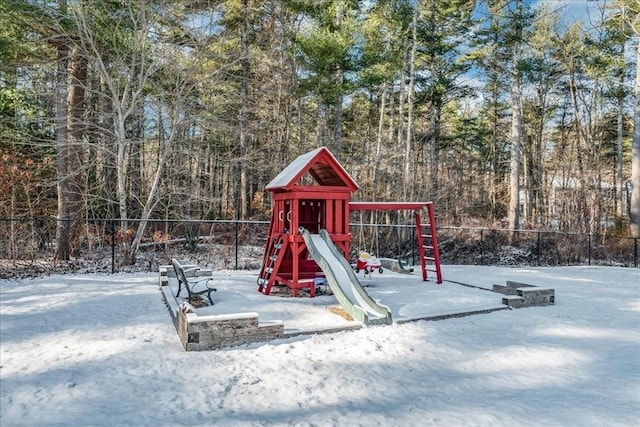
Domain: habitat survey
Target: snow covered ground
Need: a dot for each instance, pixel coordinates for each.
(101, 350)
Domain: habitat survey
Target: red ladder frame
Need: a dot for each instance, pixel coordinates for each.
(267, 278)
(428, 243)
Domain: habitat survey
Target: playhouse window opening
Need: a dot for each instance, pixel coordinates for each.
(311, 214)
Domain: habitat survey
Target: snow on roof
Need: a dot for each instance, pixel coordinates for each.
(289, 173)
(330, 173)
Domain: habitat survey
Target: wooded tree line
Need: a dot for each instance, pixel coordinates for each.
(502, 112)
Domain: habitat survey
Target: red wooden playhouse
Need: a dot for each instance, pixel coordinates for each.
(314, 192)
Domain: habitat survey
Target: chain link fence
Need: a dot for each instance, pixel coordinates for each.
(485, 246)
(28, 246)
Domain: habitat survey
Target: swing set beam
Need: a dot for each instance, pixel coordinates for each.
(386, 206)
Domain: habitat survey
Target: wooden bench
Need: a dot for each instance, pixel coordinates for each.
(191, 282)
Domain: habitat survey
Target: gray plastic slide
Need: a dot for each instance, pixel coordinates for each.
(343, 281)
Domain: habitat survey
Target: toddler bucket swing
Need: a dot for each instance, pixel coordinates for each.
(366, 262)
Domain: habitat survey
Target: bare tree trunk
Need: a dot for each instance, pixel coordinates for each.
(516, 130)
(339, 80)
(152, 197)
(320, 122)
(619, 134)
(514, 165)
(494, 174)
(106, 151)
(302, 140)
(525, 187)
(580, 142)
(121, 166)
(634, 211)
(337, 120)
(72, 73)
(401, 101)
(495, 178)
(538, 172)
(136, 130)
(406, 175)
(62, 229)
(391, 129)
(435, 116)
(75, 124)
(376, 160)
(244, 117)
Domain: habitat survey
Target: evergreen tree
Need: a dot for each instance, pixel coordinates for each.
(325, 47)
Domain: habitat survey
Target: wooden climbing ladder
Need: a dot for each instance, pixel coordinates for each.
(428, 243)
(272, 259)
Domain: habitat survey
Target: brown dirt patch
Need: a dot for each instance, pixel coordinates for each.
(340, 312)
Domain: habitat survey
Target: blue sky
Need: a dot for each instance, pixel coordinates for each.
(571, 10)
(587, 11)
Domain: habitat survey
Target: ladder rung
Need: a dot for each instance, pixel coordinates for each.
(278, 245)
(273, 257)
(269, 270)
(429, 258)
(428, 236)
(427, 247)
(262, 282)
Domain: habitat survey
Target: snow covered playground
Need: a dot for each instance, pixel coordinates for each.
(101, 350)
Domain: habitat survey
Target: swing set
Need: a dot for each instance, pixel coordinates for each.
(370, 263)
(366, 262)
(425, 232)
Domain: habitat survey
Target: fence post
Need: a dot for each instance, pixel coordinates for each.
(635, 252)
(589, 248)
(112, 226)
(237, 238)
(538, 255)
(481, 247)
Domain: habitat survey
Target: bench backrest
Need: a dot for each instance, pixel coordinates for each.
(182, 277)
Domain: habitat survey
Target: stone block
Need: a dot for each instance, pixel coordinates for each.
(164, 281)
(538, 296)
(513, 284)
(525, 295)
(505, 290)
(513, 301)
(167, 270)
(199, 333)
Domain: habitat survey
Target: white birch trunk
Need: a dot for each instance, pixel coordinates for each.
(514, 164)
(516, 135)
